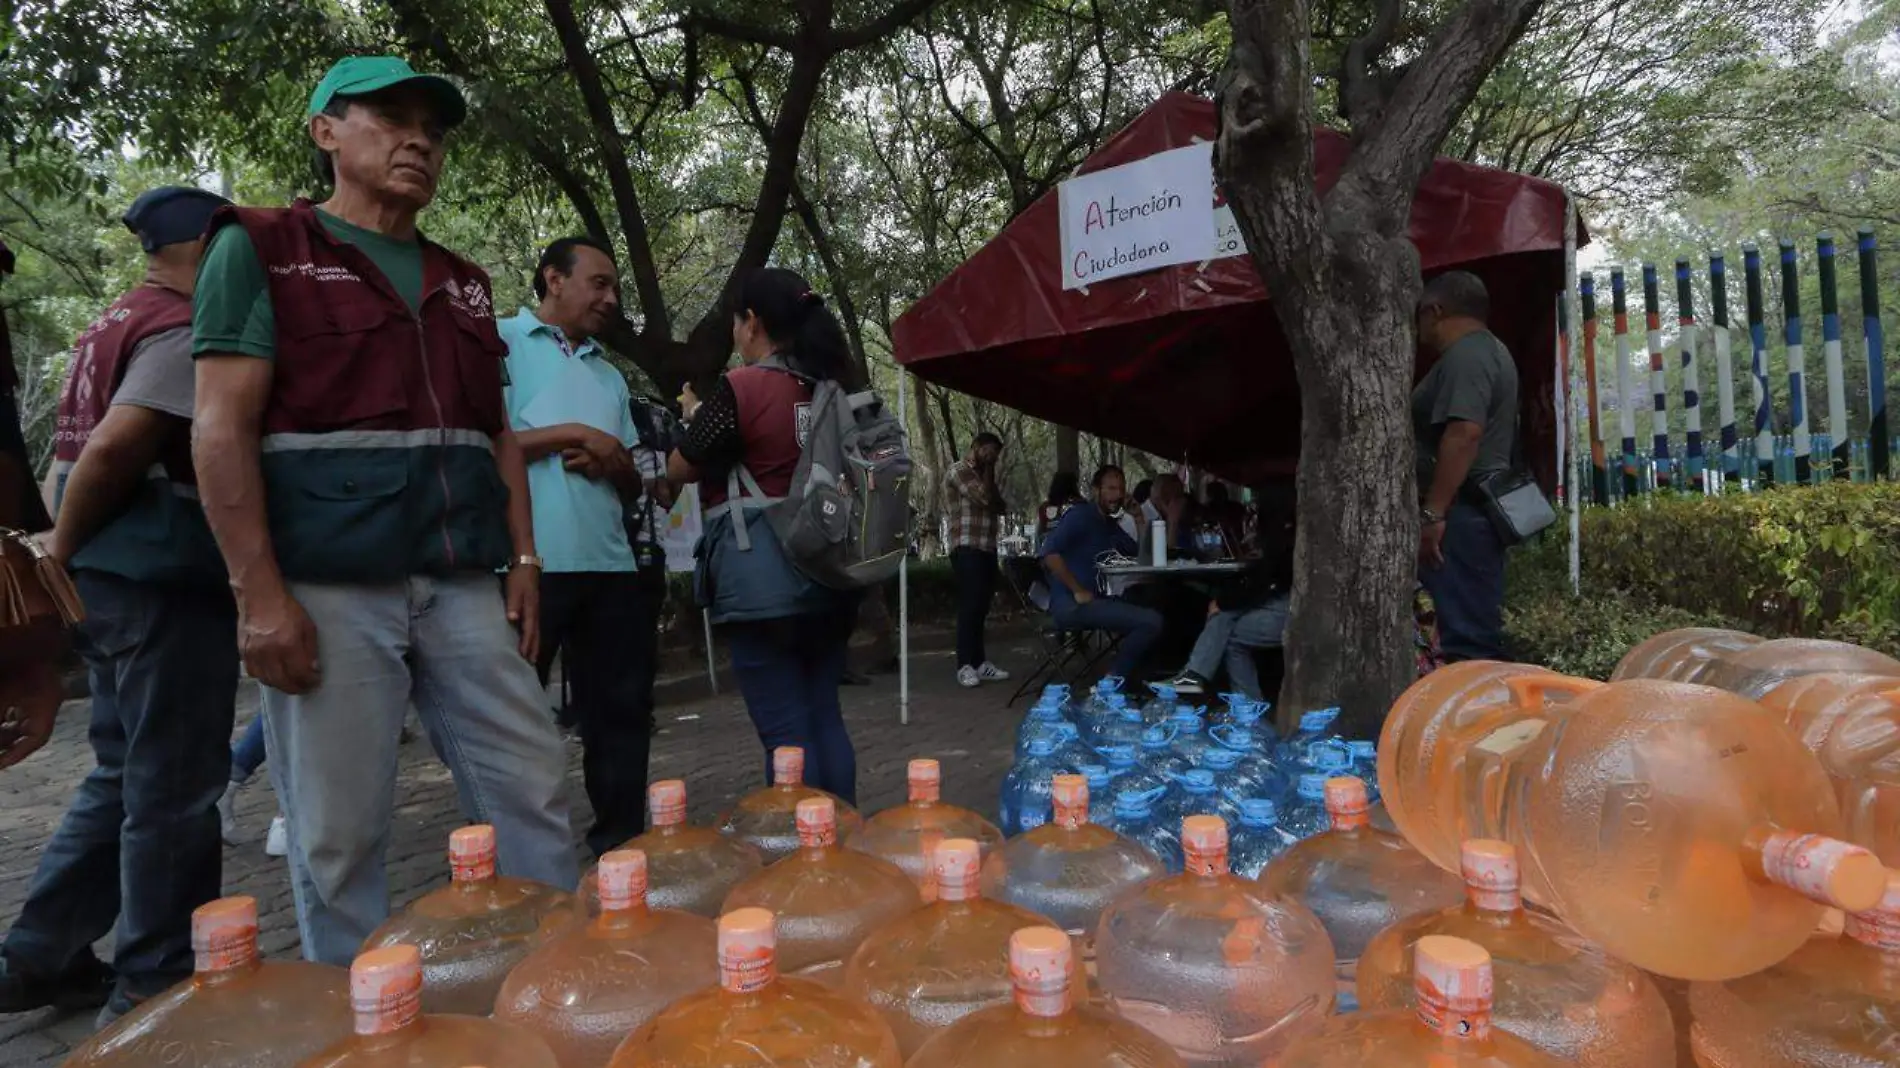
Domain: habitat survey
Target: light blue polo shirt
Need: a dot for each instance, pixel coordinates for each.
(579, 523)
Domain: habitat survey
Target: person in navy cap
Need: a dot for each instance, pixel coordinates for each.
(139, 846)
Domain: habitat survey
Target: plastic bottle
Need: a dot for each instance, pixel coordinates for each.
(1191, 742)
(1852, 723)
(236, 1011)
(1257, 838)
(1194, 793)
(1025, 802)
(1834, 1004)
(1039, 720)
(1313, 727)
(1119, 724)
(386, 988)
(1553, 989)
(1684, 655)
(1683, 829)
(1365, 764)
(1043, 1026)
(1089, 711)
(1329, 757)
(1069, 869)
(1757, 669)
(768, 818)
(472, 932)
(591, 985)
(1135, 820)
(1219, 967)
(1157, 753)
(827, 899)
(1308, 816)
(1160, 707)
(929, 969)
(688, 868)
(755, 1016)
(1101, 799)
(908, 834)
(1358, 880)
(1450, 1028)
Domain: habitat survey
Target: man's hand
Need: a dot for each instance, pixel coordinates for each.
(583, 463)
(29, 702)
(1083, 597)
(523, 590)
(1431, 542)
(278, 643)
(1213, 609)
(661, 491)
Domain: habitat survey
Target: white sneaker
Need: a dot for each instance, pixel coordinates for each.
(991, 673)
(227, 813)
(967, 678)
(277, 842)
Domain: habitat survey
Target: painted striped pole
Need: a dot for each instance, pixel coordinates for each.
(1758, 342)
(1875, 342)
(1658, 373)
(1724, 369)
(1797, 362)
(1691, 374)
(1599, 471)
(1839, 443)
(1625, 392)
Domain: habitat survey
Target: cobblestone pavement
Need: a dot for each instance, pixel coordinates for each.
(705, 739)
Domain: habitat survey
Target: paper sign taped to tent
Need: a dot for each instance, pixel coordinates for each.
(1142, 216)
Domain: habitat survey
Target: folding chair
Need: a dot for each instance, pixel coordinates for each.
(1067, 655)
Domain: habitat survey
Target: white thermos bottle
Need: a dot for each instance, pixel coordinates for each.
(1158, 542)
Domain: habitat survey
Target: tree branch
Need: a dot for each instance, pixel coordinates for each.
(900, 15)
(1361, 95)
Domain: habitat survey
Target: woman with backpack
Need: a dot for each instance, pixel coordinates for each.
(787, 634)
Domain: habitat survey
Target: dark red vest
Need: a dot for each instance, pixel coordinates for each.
(101, 357)
(771, 404)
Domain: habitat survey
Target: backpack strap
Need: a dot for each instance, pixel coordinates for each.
(742, 494)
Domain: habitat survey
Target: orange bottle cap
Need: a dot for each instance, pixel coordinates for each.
(1346, 802)
(788, 766)
(1041, 963)
(1824, 869)
(1879, 927)
(224, 933)
(472, 853)
(748, 949)
(926, 780)
(622, 876)
(386, 989)
(1204, 845)
(817, 822)
(1071, 797)
(1452, 978)
(955, 865)
(666, 802)
(1491, 874)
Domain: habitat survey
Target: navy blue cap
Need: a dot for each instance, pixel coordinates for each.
(170, 214)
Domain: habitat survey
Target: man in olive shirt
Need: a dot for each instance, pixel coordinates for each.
(1464, 417)
(356, 465)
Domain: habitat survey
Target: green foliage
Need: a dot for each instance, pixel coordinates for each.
(1586, 636)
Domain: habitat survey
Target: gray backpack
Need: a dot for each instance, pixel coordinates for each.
(845, 523)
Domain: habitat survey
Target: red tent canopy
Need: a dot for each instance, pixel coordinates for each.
(1189, 362)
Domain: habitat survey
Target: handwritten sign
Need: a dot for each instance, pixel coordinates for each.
(1141, 216)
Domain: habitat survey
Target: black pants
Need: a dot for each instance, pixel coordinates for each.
(1468, 588)
(139, 844)
(789, 671)
(602, 625)
(975, 572)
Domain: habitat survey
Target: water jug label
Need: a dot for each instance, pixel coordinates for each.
(472, 854)
(1816, 866)
(1511, 737)
(1070, 799)
(788, 766)
(817, 822)
(926, 781)
(666, 802)
(1041, 968)
(390, 1006)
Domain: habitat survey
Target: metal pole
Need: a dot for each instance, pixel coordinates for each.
(1658, 374)
(903, 576)
(1566, 412)
(1691, 376)
(1625, 390)
(1875, 341)
(712, 674)
(1758, 343)
(1797, 362)
(1731, 461)
(1599, 472)
(1840, 446)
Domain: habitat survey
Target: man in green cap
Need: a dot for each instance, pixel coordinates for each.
(357, 468)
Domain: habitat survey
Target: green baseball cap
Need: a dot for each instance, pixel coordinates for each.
(362, 75)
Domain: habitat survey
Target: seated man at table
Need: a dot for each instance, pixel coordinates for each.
(1246, 614)
(1084, 535)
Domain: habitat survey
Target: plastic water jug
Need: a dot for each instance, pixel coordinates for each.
(688, 868)
(1069, 869)
(1358, 880)
(1257, 839)
(1452, 1026)
(1135, 820)
(1160, 707)
(589, 986)
(1040, 719)
(1025, 801)
(472, 932)
(1046, 1024)
(1683, 829)
(1553, 989)
(1157, 753)
(908, 834)
(1685, 655)
(1308, 816)
(757, 1017)
(1314, 726)
(386, 993)
(1194, 793)
(827, 899)
(929, 969)
(236, 1011)
(1191, 741)
(768, 819)
(1852, 723)
(1224, 970)
(1101, 799)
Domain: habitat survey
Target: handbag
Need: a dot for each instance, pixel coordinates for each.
(1515, 504)
(38, 603)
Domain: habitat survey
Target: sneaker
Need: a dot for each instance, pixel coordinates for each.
(991, 673)
(87, 986)
(227, 813)
(967, 678)
(277, 842)
(1188, 684)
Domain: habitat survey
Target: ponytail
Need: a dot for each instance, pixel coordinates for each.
(797, 319)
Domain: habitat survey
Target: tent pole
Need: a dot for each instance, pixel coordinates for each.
(1569, 324)
(712, 675)
(903, 578)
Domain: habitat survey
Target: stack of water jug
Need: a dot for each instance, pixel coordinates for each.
(1686, 866)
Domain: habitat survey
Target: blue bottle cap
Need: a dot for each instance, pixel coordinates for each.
(1260, 812)
(1164, 691)
(1185, 720)
(1042, 745)
(1329, 756)
(1221, 759)
(1155, 738)
(1134, 804)
(1363, 750)
(1118, 756)
(1313, 786)
(1096, 774)
(1197, 781)
(1318, 720)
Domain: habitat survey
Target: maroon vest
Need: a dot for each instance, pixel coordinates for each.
(101, 357)
(770, 402)
(351, 355)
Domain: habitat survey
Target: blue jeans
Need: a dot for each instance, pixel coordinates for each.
(139, 844)
(248, 754)
(1232, 637)
(446, 644)
(1138, 626)
(1468, 588)
(789, 671)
